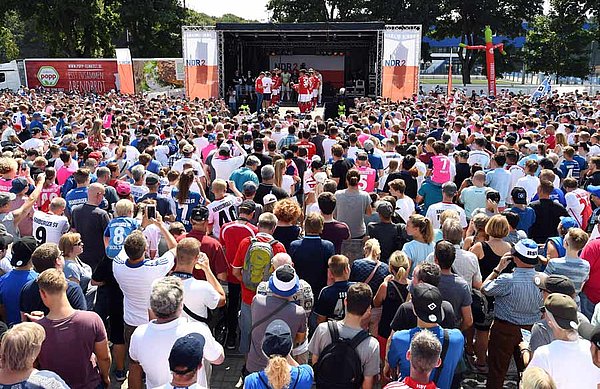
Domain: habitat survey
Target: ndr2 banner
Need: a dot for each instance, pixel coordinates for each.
(400, 61)
(200, 60)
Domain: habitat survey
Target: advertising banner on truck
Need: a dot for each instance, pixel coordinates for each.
(80, 75)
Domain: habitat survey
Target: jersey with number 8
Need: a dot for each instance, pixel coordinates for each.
(117, 230)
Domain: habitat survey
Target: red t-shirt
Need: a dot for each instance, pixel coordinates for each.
(232, 234)
(213, 249)
(591, 253)
(258, 85)
(276, 82)
(310, 147)
(47, 195)
(240, 255)
(409, 383)
(304, 86)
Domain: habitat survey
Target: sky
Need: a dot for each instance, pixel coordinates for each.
(248, 9)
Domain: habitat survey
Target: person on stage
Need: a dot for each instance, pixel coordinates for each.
(303, 87)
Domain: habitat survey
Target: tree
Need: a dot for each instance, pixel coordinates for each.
(467, 19)
(11, 35)
(289, 11)
(557, 43)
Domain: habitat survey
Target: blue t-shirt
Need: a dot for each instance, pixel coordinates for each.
(117, 230)
(375, 161)
(241, 176)
(184, 210)
(76, 196)
(583, 165)
(417, 252)
(526, 218)
(500, 180)
(10, 292)
(431, 193)
(400, 344)
(331, 300)
(556, 195)
(301, 378)
(570, 168)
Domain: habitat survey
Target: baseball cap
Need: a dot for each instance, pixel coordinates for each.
(449, 188)
(200, 213)
(247, 207)
(151, 180)
(427, 303)
(253, 160)
(187, 148)
(224, 147)
(269, 199)
(369, 145)
(594, 189)
(22, 250)
(519, 195)
(6, 198)
(385, 209)
(187, 352)
(590, 332)
(555, 283)
(527, 251)
(284, 281)
(249, 187)
(568, 222)
(19, 184)
(123, 188)
(493, 195)
(564, 310)
(211, 138)
(277, 339)
(288, 154)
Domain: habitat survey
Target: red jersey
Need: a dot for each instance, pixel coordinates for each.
(231, 236)
(409, 383)
(310, 147)
(240, 256)
(213, 250)
(315, 82)
(258, 86)
(276, 82)
(47, 195)
(303, 86)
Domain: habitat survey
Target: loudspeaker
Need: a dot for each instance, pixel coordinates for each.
(330, 111)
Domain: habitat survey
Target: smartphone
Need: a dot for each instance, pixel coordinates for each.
(151, 211)
(24, 166)
(526, 335)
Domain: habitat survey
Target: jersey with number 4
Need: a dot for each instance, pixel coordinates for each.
(48, 228)
(579, 206)
(117, 230)
(367, 178)
(222, 211)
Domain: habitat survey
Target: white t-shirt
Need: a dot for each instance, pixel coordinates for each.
(152, 235)
(169, 386)
(405, 207)
(199, 296)
(162, 154)
(151, 345)
(136, 281)
(435, 210)
(8, 133)
(224, 167)
(178, 165)
(200, 143)
(58, 163)
(267, 83)
(516, 172)
(480, 158)
(222, 211)
(327, 143)
(568, 363)
(48, 228)
(138, 191)
(131, 154)
(33, 143)
(530, 184)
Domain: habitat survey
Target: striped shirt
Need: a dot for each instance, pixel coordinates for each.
(518, 299)
(289, 140)
(576, 269)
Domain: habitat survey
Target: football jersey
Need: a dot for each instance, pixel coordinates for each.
(48, 228)
(184, 210)
(579, 207)
(435, 210)
(138, 191)
(46, 196)
(440, 169)
(304, 87)
(367, 178)
(222, 211)
(117, 230)
(76, 196)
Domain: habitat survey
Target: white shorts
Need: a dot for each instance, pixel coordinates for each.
(275, 92)
(304, 98)
(315, 93)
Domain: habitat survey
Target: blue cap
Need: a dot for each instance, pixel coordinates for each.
(211, 137)
(80, 135)
(594, 189)
(527, 251)
(186, 353)
(19, 184)
(284, 281)
(568, 222)
(37, 114)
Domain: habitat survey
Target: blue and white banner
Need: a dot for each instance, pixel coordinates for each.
(541, 90)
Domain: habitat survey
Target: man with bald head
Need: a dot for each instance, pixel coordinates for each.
(90, 221)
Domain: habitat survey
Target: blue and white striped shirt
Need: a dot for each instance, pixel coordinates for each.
(576, 269)
(518, 299)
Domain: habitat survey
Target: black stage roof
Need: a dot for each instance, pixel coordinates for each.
(334, 26)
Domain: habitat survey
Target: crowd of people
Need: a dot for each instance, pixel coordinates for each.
(401, 246)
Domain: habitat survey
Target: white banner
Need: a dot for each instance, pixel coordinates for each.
(200, 60)
(401, 60)
(294, 63)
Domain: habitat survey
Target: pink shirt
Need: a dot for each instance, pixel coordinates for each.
(62, 174)
(5, 185)
(363, 137)
(441, 169)
(367, 179)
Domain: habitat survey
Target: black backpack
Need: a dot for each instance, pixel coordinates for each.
(339, 365)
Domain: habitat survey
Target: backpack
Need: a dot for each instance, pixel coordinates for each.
(257, 263)
(339, 365)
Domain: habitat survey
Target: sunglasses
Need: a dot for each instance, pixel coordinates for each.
(80, 243)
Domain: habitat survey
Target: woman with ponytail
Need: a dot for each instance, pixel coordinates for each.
(421, 230)
(392, 292)
(282, 371)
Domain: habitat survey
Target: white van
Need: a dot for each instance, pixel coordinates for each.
(9, 76)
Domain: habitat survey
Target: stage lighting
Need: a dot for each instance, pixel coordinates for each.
(308, 36)
(359, 35)
(255, 35)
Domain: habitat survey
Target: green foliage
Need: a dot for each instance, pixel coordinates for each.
(557, 43)
(11, 34)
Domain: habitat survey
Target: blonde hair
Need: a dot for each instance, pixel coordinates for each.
(278, 372)
(219, 185)
(536, 378)
(21, 345)
(399, 264)
(449, 214)
(67, 242)
(52, 281)
(8, 165)
(124, 208)
(424, 226)
(497, 227)
(279, 166)
(372, 248)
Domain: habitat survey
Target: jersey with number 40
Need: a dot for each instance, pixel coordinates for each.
(117, 230)
(222, 211)
(48, 228)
